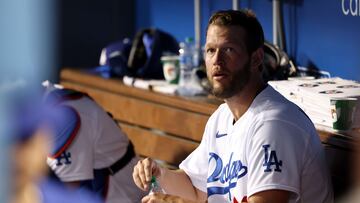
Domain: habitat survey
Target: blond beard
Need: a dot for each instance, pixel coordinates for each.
(234, 86)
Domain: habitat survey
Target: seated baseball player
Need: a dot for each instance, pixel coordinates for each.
(257, 147)
(30, 138)
(90, 150)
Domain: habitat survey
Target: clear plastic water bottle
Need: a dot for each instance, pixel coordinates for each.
(186, 61)
(155, 187)
(197, 57)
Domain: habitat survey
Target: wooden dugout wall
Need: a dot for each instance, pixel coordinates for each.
(168, 128)
(160, 126)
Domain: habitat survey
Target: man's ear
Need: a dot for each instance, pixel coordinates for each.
(257, 58)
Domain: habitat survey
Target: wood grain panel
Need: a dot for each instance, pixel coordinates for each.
(182, 123)
(168, 128)
(195, 104)
(163, 147)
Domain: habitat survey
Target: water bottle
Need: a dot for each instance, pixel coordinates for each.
(186, 62)
(155, 187)
(197, 57)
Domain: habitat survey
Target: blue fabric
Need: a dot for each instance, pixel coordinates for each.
(53, 192)
(157, 43)
(25, 120)
(118, 49)
(64, 121)
(117, 54)
(103, 71)
(140, 58)
(98, 185)
(148, 42)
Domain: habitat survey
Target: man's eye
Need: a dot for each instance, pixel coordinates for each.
(210, 50)
(229, 49)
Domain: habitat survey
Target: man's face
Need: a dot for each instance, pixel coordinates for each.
(227, 60)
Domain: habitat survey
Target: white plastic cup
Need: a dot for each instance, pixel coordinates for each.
(171, 68)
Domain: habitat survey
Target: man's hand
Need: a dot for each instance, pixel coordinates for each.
(143, 171)
(278, 196)
(174, 182)
(164, 198)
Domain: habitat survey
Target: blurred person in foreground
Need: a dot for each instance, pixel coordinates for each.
(31, 139)
(257, 147)
(90, 150)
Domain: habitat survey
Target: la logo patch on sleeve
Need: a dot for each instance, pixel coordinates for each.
(271, 160)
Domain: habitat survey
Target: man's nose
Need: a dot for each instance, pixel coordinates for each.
(218, 58)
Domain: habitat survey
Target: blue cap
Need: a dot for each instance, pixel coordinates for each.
(113, 59)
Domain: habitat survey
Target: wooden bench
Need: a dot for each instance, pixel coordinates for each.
(160, 126)
(168, 128)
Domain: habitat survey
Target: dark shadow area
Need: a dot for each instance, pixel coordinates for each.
(294, 2)
(143, 17)
(340, 157)
(293, 32)
(87, 26)
(311, 69)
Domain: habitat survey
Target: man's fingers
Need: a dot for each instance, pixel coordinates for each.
(139, 176)
(143, 172)
(145, 199)
(153, 198)
(136, 177)
(161, 198)
(148, 165)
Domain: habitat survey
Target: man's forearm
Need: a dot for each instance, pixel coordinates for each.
(176, 182)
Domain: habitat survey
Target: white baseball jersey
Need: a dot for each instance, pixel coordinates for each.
(272, 146)
(98, 144)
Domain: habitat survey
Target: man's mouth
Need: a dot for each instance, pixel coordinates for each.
(219, 75)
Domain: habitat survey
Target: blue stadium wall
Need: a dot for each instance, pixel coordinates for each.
(324, 34)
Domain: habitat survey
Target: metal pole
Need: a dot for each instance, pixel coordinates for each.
(197, 24)
(278, 28)
(275, 22)
(235, 5)
(281, 34)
